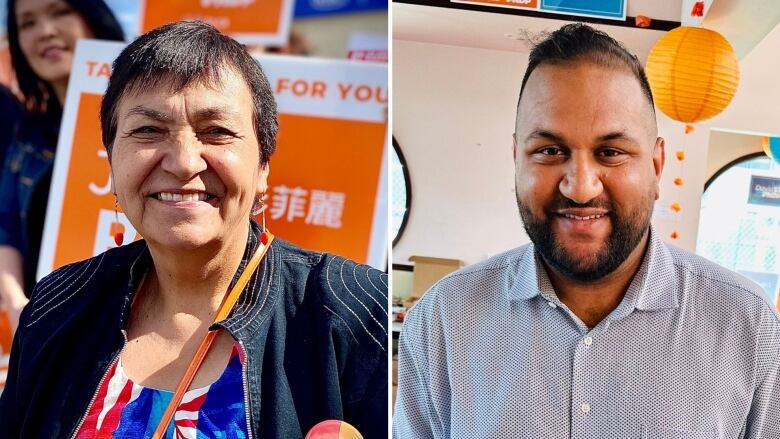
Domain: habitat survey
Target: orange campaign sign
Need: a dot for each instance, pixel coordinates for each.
(248, 21)
(327, 181)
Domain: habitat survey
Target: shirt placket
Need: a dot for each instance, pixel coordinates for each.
(582, 392)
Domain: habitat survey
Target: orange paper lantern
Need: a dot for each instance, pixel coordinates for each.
(693, 72)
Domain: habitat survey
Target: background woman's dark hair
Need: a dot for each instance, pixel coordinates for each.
(179, 54)
(38, 94)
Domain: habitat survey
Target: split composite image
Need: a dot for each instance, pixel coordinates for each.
(407, 219)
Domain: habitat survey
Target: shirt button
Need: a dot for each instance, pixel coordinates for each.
(585, 407)
(588, 341)
(552, 305)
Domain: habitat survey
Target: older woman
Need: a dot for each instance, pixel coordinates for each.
(189, 122)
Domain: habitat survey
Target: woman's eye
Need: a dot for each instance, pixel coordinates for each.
(59, 12)
(146, 130)
(218, 132)
(26, 24)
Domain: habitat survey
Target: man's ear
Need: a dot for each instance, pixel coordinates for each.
(659, 158)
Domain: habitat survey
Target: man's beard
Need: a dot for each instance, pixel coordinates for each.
(627, 231)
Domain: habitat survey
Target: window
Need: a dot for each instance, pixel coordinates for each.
(739, 226)
(402, 192)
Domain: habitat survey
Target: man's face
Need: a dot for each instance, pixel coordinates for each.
(587, 166)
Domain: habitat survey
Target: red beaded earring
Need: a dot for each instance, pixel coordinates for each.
(117, 229)
(260, 210)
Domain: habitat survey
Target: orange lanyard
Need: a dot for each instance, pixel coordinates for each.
(224, 310)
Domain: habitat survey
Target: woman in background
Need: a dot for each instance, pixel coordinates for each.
(42, 37)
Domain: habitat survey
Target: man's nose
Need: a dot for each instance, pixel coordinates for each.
(581, 180)
(184, 156)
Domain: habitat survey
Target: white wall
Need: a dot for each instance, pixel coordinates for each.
(756, 107)
(725, 147)
(453, 117)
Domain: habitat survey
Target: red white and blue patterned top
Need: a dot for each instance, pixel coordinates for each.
(123, 409)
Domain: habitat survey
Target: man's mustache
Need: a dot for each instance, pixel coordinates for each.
(562, 202)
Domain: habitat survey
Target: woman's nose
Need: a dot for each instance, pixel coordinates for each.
(184, 156)
(45, 28)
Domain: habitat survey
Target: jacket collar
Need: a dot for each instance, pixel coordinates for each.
(255, 301)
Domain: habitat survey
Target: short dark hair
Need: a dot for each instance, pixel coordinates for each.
(38, 94)
(182, 53)
(577, 41)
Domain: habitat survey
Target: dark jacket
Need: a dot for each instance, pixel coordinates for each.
(313, 326)
(25, 178)
(10, 112)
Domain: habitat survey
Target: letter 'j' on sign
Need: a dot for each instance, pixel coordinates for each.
(248, 21)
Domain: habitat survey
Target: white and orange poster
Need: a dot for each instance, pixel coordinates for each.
(248, 21)
(328, 188)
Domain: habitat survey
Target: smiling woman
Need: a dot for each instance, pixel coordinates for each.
(203, 136)
(209, 325)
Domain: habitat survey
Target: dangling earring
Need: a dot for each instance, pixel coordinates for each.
(260, 210)
(117, 229)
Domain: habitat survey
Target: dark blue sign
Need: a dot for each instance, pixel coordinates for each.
(764, 190)
(312, 8)
(613, 9)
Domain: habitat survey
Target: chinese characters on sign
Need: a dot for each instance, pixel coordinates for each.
(315, 207)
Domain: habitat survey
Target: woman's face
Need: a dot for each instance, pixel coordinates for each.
(185, 164)
(48, 30)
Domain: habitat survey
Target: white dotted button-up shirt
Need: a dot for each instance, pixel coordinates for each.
(692, 351)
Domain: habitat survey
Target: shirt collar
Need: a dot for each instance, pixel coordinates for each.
(653, 287)
(527, 276)
(655, 282)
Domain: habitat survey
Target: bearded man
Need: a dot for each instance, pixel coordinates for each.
(597, 329)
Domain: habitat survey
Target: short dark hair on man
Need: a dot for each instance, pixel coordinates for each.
(182, 53)
(577, 41)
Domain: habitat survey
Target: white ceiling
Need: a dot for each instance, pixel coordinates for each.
(743, 22)
(484, 30)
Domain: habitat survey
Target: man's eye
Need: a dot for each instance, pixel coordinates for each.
(550, 150)
(610, 153)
